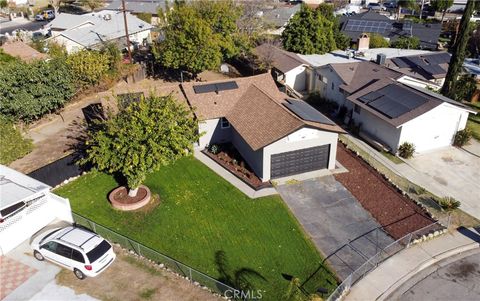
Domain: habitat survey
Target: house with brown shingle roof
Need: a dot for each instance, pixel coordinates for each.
(276, 135)
(23, 51)
(390, 107)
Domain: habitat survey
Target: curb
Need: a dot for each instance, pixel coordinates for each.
(422, 266)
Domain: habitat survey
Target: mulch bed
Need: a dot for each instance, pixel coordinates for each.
(395, 212)
(122, 196)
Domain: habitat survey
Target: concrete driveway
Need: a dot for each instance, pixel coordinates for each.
(340, 227)
(448, 172)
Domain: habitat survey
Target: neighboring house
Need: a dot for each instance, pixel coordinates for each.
(287, 67)
(137, 7)
(93, 30)
(372, 22)
(23, 51)
(279, 16)
(26, 206)
(277, 136)
(389, 108)
(427, 67)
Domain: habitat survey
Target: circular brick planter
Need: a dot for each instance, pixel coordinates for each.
(120, 200)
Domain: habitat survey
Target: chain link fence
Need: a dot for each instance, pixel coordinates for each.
(192, 274)
(387, 252)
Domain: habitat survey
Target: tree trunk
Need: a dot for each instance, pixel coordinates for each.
(399, 12)
(443, 15)
(458, 52)
(133, 192)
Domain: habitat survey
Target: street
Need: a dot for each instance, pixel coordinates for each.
(8, 27)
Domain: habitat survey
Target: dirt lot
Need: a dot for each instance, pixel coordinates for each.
(396, 213)
(130, 278)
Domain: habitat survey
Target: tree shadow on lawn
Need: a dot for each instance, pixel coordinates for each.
(240, 279)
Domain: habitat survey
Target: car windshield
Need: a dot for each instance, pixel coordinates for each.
(49, 234)
(98, 251)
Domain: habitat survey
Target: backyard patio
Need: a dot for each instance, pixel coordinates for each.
(200, 216)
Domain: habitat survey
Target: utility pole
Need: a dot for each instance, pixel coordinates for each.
(126, 31)
(421, 9)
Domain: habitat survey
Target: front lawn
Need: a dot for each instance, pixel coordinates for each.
(200, 215)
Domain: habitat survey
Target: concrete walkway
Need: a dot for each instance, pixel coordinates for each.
(391, 274)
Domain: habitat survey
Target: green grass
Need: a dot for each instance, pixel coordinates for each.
(391, 157)
(201, 214)
(13, 144)
(473, 122)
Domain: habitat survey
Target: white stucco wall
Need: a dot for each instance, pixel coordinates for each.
(303, 138)
(213, 133)
(297, 78)
(378, 128)
(70, 45)
(435, 128)
(324, 87)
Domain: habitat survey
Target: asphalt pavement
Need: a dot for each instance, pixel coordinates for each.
(8, 27)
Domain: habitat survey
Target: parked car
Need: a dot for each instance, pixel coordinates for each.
(375, 6)
(84, 252)
(46, 15)
(390, 5)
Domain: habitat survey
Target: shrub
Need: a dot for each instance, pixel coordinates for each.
(14, 146)
(462, 137)
(448, 203)
(377, 41)
(407, 43)
(418, 190)
(88, 67)
(406, 150)
(214, 149)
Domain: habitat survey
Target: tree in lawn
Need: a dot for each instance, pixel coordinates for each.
(309, 32)
(142, 138)
(458, 51)
(441, 6)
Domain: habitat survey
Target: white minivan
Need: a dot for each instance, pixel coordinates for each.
(84, 252)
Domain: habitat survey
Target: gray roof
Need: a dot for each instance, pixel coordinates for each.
(427, 33)
(425, 67)
(16, 187)
(91, 29)
(280, 59)
(279, 16)
(138, 7)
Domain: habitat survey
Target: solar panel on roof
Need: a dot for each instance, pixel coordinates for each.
(306, 112)
(367, 26)
(434, 69)
(436, 59)
(227, 86)
(370, 97)
(204, 88)
(400, 62)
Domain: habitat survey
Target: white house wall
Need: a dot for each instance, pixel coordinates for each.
(435, 128)
(213, 133)
(378, 128)
(297, 78)
(303, 138)
(70, 45)
(325, 89)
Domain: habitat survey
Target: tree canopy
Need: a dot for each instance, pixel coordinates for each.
(441, 6)
(309, 31)
(142, 138)
(200, 35)
(407, 43)
(377, 41)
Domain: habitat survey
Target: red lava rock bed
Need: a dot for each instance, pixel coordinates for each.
(395, 212)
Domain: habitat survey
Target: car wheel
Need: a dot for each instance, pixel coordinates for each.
(38, 256)
(79, 274)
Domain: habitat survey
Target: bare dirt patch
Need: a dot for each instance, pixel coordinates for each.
(395, 212)
(131, 278)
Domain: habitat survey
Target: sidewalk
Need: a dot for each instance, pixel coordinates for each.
(392, 273)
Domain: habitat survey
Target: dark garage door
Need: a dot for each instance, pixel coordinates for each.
(299, 161)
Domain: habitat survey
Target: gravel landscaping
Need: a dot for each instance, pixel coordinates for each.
(395, 212)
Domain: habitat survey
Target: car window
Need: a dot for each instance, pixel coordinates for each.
(64, 251)
(77, 256)
(98, 251)
(50, 246)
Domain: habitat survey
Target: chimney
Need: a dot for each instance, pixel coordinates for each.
(381, 59)
(363, 42)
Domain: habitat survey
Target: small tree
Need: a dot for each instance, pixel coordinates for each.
(377, 41)
(3, 4)
(465, 87)
(88, 67)
(462, 137)
(142, 138)
(407, 43)
(406, 150)
(441, 6)
(448, 203)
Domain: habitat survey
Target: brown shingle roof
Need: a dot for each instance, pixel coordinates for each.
(22, 51)
(215, 105)
(279, 58)
(261, 120)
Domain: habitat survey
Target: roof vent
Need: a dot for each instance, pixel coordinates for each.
(107, 17)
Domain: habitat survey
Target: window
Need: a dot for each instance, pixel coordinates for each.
(64, 251)
(357, 109)
(333, 86)
(77, 256)
(224, 124)
(98, 251)
(50, 246)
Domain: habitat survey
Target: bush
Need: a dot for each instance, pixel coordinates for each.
(448, 203)
(407, 43)
(406, 150)
(88, 67)
(465, 87)
(214, 149)
(29, 91)
(377, 41)
(462, 137)
(14, 146)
